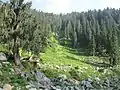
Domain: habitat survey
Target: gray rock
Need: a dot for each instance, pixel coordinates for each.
(38, 80)
(28, 86)
(87, 84)
(18, 71)
(32, 89)
(55, 88)
(41, 77)
(76, 88)
(63, 77)
(43, 80)
(6, 63)
(3, 57)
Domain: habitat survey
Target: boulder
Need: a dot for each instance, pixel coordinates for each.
(43, 80)
(7, 87)
(38, 80)
(18, 71)
(32, 89)
(87, 84)
(3, 57)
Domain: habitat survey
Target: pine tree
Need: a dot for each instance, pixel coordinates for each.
(20, 29)
(114, 53)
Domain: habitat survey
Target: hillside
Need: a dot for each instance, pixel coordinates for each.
(65, 67)
(59, 60)
(46, 51)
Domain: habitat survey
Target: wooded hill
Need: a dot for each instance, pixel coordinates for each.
(97, 32)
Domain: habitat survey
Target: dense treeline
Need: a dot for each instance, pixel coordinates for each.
(95, 31)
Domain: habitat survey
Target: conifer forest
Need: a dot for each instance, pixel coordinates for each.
(47, 51)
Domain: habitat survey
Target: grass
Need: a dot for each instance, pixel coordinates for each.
(59, 60)
(9, 76)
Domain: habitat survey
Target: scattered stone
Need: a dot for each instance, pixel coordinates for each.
(57, 67)
(37, 80)
(3, 57)
(87, 84)
(73, 81)
(97, 78)
(107, 82)
(32, 89)
(43, 80)
(63, 77)
(18, 71)
(28, 86)
(12, 70)
(6, 63)
(34, 58)
(7, 87)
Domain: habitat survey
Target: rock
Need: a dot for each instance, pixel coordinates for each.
(73, 81)
(18, 71)
(54, 88)
(77, 88)
(34, 58)
(87, 84)
(43, 80)
(28, 86)
(6, 63)
(107, 82)
(97, 78)
(38, 80)
(7, 87)
(57, 67)
(3, 57)
(23, 74)
(12, 70)
(89, 80)
(63, 77)
(32, 89)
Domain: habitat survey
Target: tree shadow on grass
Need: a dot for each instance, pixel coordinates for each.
(90, 62)
(70, 57)
(97, 64)
(103, 65)
(81, 52)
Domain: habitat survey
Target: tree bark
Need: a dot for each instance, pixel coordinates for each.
(16, 45)
(16, 51)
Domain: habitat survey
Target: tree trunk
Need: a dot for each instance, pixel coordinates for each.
(93, 46)
(16, 51)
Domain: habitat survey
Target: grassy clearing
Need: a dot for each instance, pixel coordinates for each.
(59, 60)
